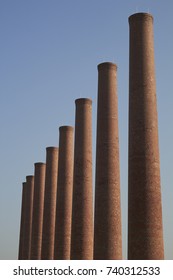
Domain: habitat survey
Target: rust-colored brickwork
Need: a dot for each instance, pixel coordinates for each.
(107, 231)
(22, 221)
(38, 204)
(82, 217)
(48, 235)
(145, 234)
(62, 207)
(64, 194)
(28, 217)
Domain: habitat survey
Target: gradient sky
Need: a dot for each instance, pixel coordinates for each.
(49, 52)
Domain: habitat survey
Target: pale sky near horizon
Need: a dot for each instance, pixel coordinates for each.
(49, 52)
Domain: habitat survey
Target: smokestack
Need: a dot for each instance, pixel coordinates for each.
(28, 217)
(107, 230)
(48, 235)
(22, 222)
(82, 213)
(64, 194)
(38, 204)
(145, 234)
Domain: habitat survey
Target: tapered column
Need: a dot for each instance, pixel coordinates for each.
(145, 234)
(107, 236)
(38, 204)
(64, 194)
(82, 217)
(28, 217)
(22, 221)
(48, 235)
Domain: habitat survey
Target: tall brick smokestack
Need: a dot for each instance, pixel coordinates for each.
(22, 221)
(28, 217)
(38, 204)
(48, 235)
(64, 194)
(107, 230)
(145, 234)
(82, 213)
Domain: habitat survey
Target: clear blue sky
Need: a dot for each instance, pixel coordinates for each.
(49, 51)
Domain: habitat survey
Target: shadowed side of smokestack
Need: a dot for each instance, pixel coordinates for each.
(22, 221)
(28, 217)
(64, 194)
(107, 228)
(145, 234)
(38, 204)
(48, 235)
(82, 212)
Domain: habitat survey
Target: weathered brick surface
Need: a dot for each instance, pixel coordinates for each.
(82, 216)
(145, 234)
(38, 204)
(28, 217)
(22, 221)
(64, 194)
(107, 230)
(48, 236)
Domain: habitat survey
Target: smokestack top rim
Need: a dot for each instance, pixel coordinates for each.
(66, 128)
(83, 101)
(106, 65)
(29, 177)
(51, 148)
(39, 163)
(140, 16)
